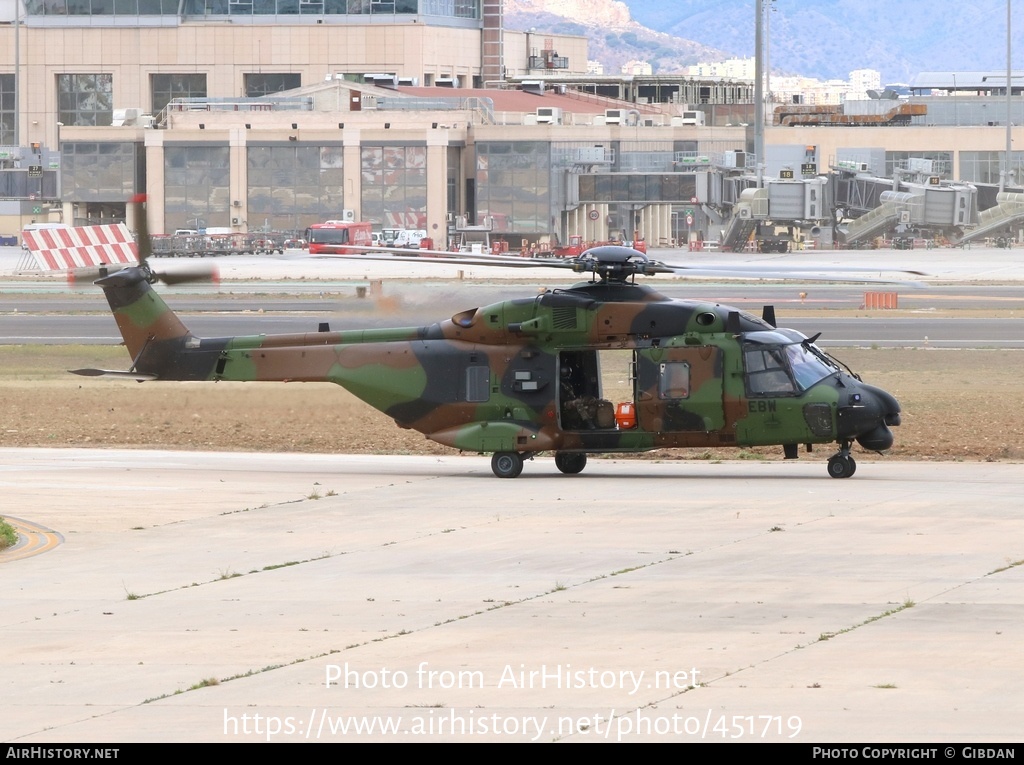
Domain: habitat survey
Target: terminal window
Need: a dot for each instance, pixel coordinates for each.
(85, 99)
(165, 87)
(260, 84)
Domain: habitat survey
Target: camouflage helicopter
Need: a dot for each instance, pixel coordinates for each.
(523, 376)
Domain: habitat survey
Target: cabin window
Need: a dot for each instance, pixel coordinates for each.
(674, 380)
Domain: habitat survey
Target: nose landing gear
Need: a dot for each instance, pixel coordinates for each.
(841, 464)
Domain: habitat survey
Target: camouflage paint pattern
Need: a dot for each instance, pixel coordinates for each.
(500, 378)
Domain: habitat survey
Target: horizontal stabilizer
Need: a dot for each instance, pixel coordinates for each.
(114, 373)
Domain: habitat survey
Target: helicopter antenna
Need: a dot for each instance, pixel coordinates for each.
(809, 344)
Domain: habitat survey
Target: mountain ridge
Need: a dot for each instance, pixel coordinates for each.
(826, 39)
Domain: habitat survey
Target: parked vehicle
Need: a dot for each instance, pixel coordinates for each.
(410, 238)
(333, 237)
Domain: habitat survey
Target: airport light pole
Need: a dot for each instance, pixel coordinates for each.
(17, 72)
(1005, 172)
(759, 88)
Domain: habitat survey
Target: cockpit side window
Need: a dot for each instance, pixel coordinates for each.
(783, 370)
(767, 371)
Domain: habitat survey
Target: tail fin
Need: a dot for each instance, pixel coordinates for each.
(152, 332)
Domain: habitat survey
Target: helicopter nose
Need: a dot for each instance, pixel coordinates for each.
(866, 415)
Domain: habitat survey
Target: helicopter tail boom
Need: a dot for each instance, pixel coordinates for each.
(163, 348)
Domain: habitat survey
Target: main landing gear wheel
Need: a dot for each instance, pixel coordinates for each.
(507, 464)
(570, 463)
(841, 466)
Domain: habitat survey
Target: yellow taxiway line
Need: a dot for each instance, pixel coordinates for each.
(33, 540)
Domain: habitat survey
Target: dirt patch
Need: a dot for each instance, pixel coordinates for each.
(956, 405)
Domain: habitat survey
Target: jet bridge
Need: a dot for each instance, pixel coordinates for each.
(896, 207)
(916, 199)
(792, 204)
(1009, 210)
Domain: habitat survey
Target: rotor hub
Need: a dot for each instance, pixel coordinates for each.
(612, 263)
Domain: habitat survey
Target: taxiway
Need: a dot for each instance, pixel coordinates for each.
(227, 597)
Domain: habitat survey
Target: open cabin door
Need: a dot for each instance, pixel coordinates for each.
(680, 389)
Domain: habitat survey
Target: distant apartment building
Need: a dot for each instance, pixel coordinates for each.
(732, 69)
(637, 68)
(863, 80)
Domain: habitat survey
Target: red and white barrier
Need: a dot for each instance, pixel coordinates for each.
(59, 249)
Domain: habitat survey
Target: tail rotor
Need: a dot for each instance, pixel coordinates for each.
(178, 274)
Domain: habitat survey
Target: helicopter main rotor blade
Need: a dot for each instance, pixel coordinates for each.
(755, 268)
(627, 261)
(452, 258)
(799, 276)
(807, 274)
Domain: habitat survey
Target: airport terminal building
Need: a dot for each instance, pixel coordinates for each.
(275, 114)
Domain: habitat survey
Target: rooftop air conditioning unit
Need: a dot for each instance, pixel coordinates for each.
(549, 115)
(693, 118)
(446, 81)
(533, 86)
(734, 158)
(613, 116)
(381, 80)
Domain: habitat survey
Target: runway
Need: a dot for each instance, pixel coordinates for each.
(229, 597)
(296, 293)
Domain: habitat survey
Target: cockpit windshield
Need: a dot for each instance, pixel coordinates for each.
(808, 368)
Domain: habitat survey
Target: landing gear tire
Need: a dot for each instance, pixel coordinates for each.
(841, 466)
(507, 464)
(570, 463)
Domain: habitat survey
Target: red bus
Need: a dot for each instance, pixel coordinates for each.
(331, 237)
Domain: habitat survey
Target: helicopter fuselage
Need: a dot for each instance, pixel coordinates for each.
(525, 376)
